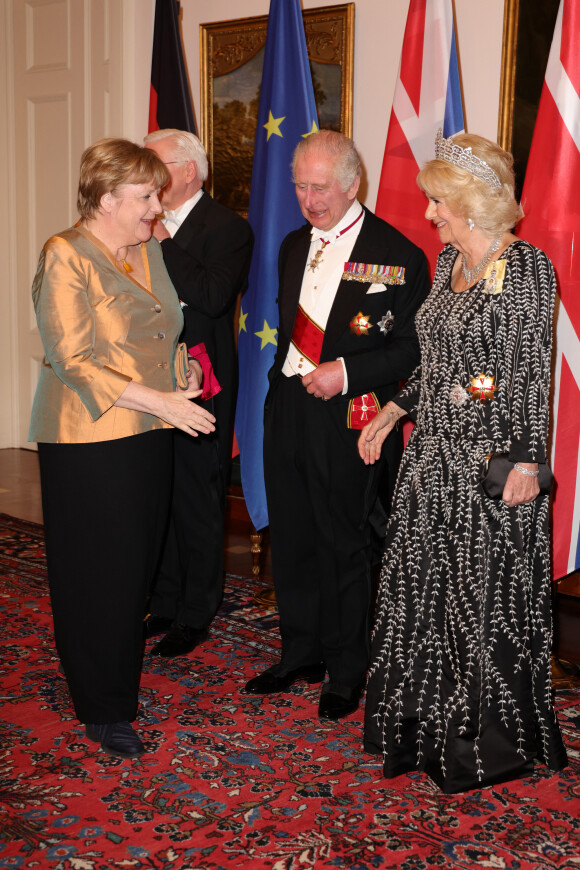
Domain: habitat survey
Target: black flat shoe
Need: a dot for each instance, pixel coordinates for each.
(154, 625)
(179, 641)
(266, 683)
(117, 739)
(333, 706)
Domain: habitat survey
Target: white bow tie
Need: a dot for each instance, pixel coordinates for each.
(318, 235)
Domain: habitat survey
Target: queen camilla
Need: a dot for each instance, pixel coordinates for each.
(460, 680)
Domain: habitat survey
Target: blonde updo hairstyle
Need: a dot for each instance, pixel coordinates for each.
(493, 210)
(109, 163)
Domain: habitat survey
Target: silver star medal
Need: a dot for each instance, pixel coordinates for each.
(386, 322)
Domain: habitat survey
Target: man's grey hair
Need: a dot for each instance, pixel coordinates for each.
(186, 146)
(339, 148)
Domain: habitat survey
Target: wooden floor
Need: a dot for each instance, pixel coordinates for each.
(20, 497)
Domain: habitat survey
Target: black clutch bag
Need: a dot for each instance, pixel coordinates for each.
(181, 365)
(499, 466)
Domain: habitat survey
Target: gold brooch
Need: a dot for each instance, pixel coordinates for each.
(482, 388)
(360, 324)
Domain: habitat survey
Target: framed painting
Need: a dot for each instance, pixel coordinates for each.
(527, 38)
(232, 56)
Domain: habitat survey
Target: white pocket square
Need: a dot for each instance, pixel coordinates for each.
(376, 288)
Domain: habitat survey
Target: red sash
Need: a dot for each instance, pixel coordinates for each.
(307, 337)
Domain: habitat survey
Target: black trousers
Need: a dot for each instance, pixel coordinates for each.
(189, 586)
(105, 508)
(319, 495)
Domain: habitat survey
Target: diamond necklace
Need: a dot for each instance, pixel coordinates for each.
(469, 274)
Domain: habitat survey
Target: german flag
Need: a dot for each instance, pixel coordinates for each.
(170, 99)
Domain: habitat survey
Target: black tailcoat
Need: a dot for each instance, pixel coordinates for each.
(319, 491)
(208, 261)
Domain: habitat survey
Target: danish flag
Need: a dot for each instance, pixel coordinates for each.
(551, 203)
(427, 98)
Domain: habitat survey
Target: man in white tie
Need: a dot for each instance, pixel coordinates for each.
(350, 285)
(207, 250)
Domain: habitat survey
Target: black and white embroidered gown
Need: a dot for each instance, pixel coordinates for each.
(460, 681)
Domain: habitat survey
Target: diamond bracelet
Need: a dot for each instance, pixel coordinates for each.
(526, 471)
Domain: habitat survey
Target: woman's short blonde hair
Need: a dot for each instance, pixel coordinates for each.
(111, 162)
(493, 210)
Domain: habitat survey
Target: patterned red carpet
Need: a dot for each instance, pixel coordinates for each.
(232, 780)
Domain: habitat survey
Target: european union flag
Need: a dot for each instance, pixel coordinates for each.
(287, 112)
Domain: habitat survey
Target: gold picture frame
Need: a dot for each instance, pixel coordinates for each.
(528, 28)
(231, 64)
(508, 74)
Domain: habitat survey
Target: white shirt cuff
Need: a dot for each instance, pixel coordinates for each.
(345, 387)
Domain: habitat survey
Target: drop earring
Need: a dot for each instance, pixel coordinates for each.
(470, 224)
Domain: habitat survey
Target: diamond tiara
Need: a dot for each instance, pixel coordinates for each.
(446, 149)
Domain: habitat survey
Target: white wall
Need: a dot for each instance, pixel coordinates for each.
(379, 30)
(61, 75)
(8, 320)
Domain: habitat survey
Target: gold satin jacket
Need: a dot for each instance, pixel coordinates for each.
(100, 329)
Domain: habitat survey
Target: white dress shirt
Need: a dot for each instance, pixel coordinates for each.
(172, 220)
(319, 285)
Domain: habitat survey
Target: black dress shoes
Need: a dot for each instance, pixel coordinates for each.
(266, 683)
(179, 641)
(333, 706)
(154, 625)
(117, 739)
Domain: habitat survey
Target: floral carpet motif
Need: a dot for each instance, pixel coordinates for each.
(234, 780)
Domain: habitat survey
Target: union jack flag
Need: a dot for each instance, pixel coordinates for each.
(550, 200)
(427, 98)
